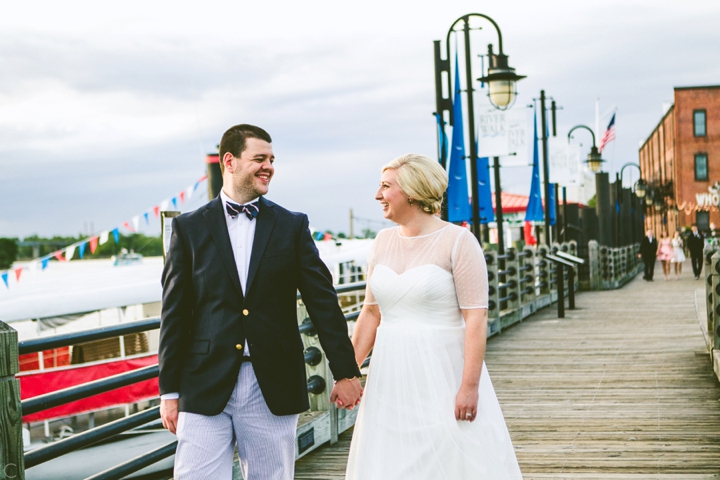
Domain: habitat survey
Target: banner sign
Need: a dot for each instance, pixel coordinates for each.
(506, 134)
(564, 162)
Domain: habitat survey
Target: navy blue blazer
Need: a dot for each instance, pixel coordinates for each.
(206, 318)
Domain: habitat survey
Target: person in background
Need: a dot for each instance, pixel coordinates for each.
(678, 254)
(648, 251)
(665, 253)
(695, 244)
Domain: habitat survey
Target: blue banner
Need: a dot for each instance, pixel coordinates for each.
(487, 214)
(459, 209)
(534, 211)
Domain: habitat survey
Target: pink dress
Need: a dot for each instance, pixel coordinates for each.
(665, 250)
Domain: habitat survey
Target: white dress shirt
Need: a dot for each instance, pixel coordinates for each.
(242, 233)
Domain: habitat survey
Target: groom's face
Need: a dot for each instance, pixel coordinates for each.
(251, 173)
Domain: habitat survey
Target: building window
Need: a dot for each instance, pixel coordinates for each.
(703, 221)
(700, 123)
(701, 167)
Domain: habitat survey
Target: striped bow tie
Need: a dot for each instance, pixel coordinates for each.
(249, 209)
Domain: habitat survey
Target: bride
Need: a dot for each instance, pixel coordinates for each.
(429, 409)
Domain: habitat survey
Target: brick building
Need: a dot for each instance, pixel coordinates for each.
(680, 161)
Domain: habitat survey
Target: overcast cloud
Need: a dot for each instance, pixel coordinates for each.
(105, 111)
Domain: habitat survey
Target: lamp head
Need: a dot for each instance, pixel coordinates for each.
(640, 188)
(501, 80)
(594, 161)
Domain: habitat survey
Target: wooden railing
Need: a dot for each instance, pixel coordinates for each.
(711, 328)
(520, 283)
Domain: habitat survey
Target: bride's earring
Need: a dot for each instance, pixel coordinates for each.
(410, 201)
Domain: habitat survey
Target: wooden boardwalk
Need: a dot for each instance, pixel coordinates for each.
(621, 388)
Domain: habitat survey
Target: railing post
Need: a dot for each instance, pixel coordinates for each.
(708, 253)
(493, 293)
(594, 264)
(513, 278)
(12, 464)
(528, 260)
(543, 270)
(713, 276)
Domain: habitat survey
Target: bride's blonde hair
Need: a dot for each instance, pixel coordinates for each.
(421, 179)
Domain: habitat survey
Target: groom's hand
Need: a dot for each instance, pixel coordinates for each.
(347, 393)
(169, 414)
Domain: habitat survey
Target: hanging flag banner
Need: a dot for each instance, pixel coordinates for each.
(67, 253)
(506, 134)
(564, 162)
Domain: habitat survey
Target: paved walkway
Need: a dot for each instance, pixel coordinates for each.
(622, 388)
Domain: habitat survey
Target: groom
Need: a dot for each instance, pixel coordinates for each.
(231, 358)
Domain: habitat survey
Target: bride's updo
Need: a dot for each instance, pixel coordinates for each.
(421, 179)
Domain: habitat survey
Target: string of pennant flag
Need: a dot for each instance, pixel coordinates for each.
(66, 254)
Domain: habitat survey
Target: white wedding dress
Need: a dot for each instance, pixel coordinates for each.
(406, 427)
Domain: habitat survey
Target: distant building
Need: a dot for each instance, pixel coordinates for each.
(680, 161)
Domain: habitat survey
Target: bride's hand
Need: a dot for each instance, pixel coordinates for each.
(466, 403)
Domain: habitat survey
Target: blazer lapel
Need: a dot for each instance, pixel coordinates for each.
(265, 224)
(215, 218)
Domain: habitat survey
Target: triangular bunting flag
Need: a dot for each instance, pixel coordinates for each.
(104, 237)
(32, 266)
(189, 192)
(94, 244)
(136, 222)
(197, 184)
(18, 272)
(147, 218)
(164, 205)
(116, 234)
(44, 262)
(5, 279)
(59, 255)
(203, 178)
(182, 196)
(81, 250)
(174, 202)
(69, 252)
(127, 225)
(156, 210)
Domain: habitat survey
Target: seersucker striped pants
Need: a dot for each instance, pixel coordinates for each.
(265, 442)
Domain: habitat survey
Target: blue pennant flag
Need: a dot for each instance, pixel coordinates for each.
(81, 249)
(443, 139)
(487, 214)
(551, 199)
(44, 262)
(459, 209)
(5, 279)
(147, 218)
(174, 202)
(116, 235)
(534, 211)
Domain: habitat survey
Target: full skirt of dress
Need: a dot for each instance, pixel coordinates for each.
(406, 427)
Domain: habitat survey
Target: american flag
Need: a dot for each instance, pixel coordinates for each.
(609, 134)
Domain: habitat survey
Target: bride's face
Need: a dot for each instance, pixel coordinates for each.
(394, 202)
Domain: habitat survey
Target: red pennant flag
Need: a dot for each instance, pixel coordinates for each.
(182, 196)
(204, 177)
(127, 225)
(18, 272)
(156, 210)
(59, 255)
(327, 236)
(529, 237)
(93, 244)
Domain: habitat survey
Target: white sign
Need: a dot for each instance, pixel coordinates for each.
(507, 134)
(564, 162)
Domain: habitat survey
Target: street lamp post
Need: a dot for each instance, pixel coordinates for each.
(594, 160)
(501, 80)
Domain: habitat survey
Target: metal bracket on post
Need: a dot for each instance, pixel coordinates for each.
(493, 293)
(12, 461)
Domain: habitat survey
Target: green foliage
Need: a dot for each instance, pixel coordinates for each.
(592, 203)
(368, 233)
(8, 252)
(137, 242)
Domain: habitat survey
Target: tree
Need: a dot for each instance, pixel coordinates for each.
(8, 252)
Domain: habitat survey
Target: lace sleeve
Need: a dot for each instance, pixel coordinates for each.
(470, 272)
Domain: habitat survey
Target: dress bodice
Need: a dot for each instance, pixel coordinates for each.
(427, 279)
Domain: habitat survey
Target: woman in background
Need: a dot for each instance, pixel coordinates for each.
(678, 254)
(665, 253)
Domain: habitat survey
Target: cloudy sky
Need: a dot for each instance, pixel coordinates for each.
(106, 110)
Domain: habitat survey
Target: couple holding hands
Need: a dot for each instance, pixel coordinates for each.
(232, 371)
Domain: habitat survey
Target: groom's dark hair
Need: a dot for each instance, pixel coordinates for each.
(235, 138)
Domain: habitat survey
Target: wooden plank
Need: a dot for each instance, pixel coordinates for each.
(621, 388)
(11, 444)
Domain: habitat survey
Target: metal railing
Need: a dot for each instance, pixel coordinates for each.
(520, 282)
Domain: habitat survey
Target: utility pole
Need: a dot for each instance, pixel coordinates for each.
(546, 169)
(352, 225)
